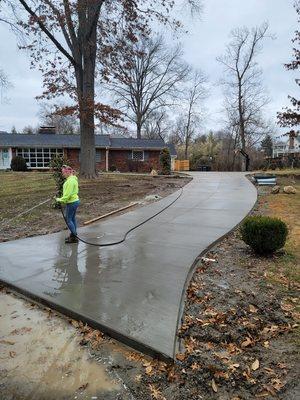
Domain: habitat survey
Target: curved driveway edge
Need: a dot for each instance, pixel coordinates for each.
(131, 291)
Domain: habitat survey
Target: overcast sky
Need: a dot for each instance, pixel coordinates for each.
(206, 40)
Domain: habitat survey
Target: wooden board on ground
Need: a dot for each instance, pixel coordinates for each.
(110, 213)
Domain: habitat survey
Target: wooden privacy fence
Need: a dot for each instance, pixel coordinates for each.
(182, 165)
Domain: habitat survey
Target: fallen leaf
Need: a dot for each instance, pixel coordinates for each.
(12, 354)
(162, 367)
(255, 365)
(214, 386)
(246, 342)
(155, 393)
(233, 367)
(83, 387)
(266, 344)
(263, 394)
(252, 308)
(277, 384)
(7, 342)
(282, 365)
(172, 375)
(195, 366)
(74, 323)
(149, 370)
(180, 356)
(221, 374)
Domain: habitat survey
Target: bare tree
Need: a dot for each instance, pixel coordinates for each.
(189, 120)
(149, 83)
(290, 116)
(244, 93)
(68, 38)
(157, 125)
(4, 84)
(64, 124)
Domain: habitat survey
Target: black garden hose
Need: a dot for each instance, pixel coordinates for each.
(130, 230)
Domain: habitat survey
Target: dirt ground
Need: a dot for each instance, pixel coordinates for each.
(239, 338)
(19, 191)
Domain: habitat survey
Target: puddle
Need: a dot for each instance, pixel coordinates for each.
(40, 357)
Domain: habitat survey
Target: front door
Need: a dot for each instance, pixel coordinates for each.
(4, 158)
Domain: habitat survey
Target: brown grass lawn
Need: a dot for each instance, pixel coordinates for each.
(20, 191)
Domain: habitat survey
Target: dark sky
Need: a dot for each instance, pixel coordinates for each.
(205, 41)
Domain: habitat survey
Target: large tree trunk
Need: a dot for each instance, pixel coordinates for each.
(186, 147)
(87, 141)
(139, 127)
(87, 109)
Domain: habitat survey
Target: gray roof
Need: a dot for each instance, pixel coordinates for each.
(73, 141)
(132, 143)
(47, 140)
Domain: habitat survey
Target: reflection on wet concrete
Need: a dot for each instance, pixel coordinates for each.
(133, 289)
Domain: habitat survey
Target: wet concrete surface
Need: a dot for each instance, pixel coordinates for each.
(132, 291)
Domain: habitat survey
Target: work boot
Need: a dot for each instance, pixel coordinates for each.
(71, 239)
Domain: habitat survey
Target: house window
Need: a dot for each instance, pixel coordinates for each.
(38, 157)
(98, 155)
(138, 155)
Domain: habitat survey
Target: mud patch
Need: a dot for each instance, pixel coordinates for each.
(41, 357)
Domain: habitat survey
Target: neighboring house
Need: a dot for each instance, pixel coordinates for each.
(290, 146)
(122, 154)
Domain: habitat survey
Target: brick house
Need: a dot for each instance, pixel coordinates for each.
(122, 154)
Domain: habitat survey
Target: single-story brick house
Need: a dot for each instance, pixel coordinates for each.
(122, 154)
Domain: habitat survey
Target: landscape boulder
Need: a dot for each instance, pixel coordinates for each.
(275, 189)
(289, 190)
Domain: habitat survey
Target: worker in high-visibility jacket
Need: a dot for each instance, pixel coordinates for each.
(71, 199)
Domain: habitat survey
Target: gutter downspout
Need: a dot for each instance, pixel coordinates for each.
(106, 159)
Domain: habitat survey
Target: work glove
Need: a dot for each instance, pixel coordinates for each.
(57, 204)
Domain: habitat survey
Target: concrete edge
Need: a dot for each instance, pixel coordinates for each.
(65, 312)
(177, 341)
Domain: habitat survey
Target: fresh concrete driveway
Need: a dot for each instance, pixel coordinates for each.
(133, 291)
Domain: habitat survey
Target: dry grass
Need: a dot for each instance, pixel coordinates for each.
(283, 270)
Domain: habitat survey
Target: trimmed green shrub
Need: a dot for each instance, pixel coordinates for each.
(18, 163)
(264, 234)
(165, 161)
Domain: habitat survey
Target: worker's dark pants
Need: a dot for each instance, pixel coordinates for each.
(71, 209)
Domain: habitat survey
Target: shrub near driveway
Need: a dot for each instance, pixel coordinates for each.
(264, 234)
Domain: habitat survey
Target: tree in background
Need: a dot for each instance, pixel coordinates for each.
(64, 124)
(29, 130)
(267, 145)
(69, 39)
(244, 93)
(157, 126)
(148, 83)
(189, 120)
(13, 129)
(5, 84)
(290, 117)
(204, 152)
